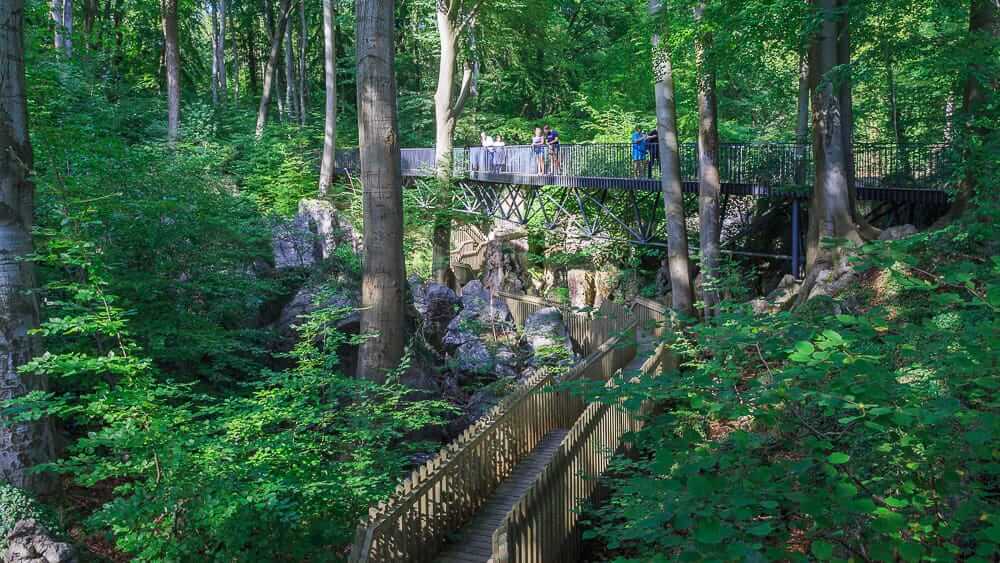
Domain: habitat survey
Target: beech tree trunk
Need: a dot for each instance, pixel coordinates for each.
(219, 50)
(277, 38)
(290, 97)
(328, 163)
(681, 295)
(172, 58)
(22, 445)
(984, 27)
(831, 213)
(303, 81)
(709, 178)
(382, 316)
(62, 15)
(452, 19)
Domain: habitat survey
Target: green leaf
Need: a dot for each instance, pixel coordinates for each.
(838, 458)
(709, 532)
(822, 550)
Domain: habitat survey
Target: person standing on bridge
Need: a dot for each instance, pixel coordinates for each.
(499, 155)
(653, 148)
(638, 151)
(538, 149)
(552, 140)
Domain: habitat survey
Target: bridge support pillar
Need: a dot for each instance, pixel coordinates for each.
(796, 239)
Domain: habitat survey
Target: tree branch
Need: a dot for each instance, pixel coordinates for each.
(463, 93)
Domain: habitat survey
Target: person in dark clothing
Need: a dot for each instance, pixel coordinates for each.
(653, 148)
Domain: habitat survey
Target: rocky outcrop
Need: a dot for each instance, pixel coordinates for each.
(480, 314)
(780, 298)
(505, 267)
(312, 235)
(30, 542)
(581, 288)
(437, 305)
(546, 328)
(897, 232)
(309, 299)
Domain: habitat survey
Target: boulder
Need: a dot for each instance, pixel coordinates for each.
(544, 328)
(581, 288)
(897, 232)
(312, 235)
(305, 302)
(437, 305)
(30, 542)
(505, 267)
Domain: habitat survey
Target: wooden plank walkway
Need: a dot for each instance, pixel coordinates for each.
(474, 543)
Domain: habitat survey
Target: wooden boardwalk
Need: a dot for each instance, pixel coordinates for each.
(474, 542)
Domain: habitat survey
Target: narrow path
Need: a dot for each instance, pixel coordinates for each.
(475, 540)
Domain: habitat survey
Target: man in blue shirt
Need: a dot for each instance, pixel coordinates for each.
(552, 141)
(638, 151)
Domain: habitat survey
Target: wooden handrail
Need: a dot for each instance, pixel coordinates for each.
(438, 497)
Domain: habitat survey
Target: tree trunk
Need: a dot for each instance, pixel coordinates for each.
(290, 97)
(303, 81)
(802, 116)
(252, 70)
(214, 7)
(172, 58)
(831, 212)
(220, 50)
(62, 15)
(277, 38)
(984, 23)
(384, 274)
(22, 445)
(328, 164)
(682, 298)
(846, 100)
(709, 178)
(90, 12)
(447, 109)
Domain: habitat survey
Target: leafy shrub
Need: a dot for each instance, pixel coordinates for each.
(869, 434)
(16, 505)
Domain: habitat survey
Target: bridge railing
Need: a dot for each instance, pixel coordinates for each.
(752, 164)
(444, 493)
(544, 524)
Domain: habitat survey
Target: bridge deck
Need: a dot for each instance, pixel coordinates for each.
(475, 540)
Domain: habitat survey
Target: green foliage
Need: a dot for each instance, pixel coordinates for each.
(869, 433)
(16, 505)
(280, 469)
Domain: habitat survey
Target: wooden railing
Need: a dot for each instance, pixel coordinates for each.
(588, 328)
(543, 526)
(444, 493)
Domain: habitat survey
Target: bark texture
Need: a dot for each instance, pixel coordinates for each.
(277, 37)
(22, 445)
(678, 263)
(384, 276)
(984, 27)
(172, 58)
(453, 18)
(328, 163)
(219, 79)
(831, 214)
(303, 82)
(709, 178)
(291, 98)
(62, 16)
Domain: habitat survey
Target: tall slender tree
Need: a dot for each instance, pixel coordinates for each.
(382, 315)
(277, 38)
(290, 97)
(709, 178)
(454, 17)
(984, 30)
(328, 162)
(219, 79)
(62, 16)
(678, 262)
(22, 444)
(831, 214)
(172, 57)
(303, 77)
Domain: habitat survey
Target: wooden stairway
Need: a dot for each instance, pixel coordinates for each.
(474, 542)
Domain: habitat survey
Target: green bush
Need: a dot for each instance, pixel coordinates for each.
(16, 505)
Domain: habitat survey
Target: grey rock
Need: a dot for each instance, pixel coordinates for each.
(545, 327)
(473, 357)
(305, 302)
(30, 542)
(312, 235)
(897, 232)
(437, 305)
